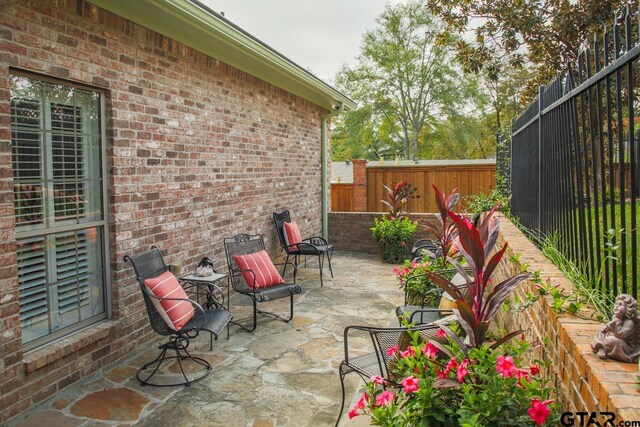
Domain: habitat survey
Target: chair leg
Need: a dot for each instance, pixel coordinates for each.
(290, 307)
(254, 321)
(176, 343)
(342, 375)
(329, 260)
(321, 265)
(255, 314)
(295, 267)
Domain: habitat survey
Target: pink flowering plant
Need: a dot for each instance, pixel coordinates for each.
(460, 377)
(419, 288)
(447, 383)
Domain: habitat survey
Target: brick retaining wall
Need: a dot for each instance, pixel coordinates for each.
(583, 381)
(351, 231)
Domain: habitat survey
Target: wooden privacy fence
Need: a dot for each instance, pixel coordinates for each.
(469, 177)
(342, 197)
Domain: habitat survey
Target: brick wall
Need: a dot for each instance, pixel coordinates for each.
(582, 380)
(351, 231)
(196, 151)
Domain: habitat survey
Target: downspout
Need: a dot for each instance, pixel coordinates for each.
(325, 167)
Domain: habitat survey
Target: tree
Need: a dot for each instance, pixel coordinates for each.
(544, 33)
(467, 133)
(362, 133)
(404, 80)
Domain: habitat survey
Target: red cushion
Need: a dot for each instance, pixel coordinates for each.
(292, 235)
(175, 313)
(260, 264)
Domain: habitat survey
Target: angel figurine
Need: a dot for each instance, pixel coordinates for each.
(620, 338)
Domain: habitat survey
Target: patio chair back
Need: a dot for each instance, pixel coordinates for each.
(148, 265)
(279, 219)
(242, 244)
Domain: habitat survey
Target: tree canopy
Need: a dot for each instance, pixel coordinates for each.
(545, 33)
(404, 82)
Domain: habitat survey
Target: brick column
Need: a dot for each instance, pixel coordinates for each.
(359, 185)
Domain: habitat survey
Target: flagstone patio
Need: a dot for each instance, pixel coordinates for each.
(282, 374)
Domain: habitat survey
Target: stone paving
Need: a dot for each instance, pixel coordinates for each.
(282, 374)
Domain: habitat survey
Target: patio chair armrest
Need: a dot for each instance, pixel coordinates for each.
(443, 312)
(316, 241)
(295, 267)
(253, 288)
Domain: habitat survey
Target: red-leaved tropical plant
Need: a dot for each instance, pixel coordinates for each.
(445, 231)
(397, 198)
(476, 244)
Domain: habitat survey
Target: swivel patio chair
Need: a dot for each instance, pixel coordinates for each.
(253, 274)
(294, 245)
(377, 361)
(156, 282)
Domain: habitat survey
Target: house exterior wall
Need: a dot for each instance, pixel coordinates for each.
(196, 151)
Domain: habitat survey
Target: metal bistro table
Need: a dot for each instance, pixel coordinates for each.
(216, 279)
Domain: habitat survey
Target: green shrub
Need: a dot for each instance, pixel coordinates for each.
(479, 203)
(393, 235)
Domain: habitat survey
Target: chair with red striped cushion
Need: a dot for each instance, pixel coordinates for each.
(171, 313)
(294, 245)
(252, 273)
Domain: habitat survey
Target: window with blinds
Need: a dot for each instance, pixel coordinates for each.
(60, 224)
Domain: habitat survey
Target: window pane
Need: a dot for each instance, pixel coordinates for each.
(27, 162)
(78, 278)
(32, 286)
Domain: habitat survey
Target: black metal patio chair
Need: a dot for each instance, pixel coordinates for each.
(312, 246)
(245, 244)
(149, 265)
(425, 249)
(377, 361)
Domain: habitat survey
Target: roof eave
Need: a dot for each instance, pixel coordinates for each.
(198, 27)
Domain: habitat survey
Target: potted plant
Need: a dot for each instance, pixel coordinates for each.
(451, 381)
(394, 232)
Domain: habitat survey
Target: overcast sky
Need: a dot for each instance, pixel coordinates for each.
(317, 35)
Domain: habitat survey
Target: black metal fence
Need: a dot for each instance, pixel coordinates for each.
(574, 159)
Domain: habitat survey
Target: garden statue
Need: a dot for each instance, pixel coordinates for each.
(620, 338)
